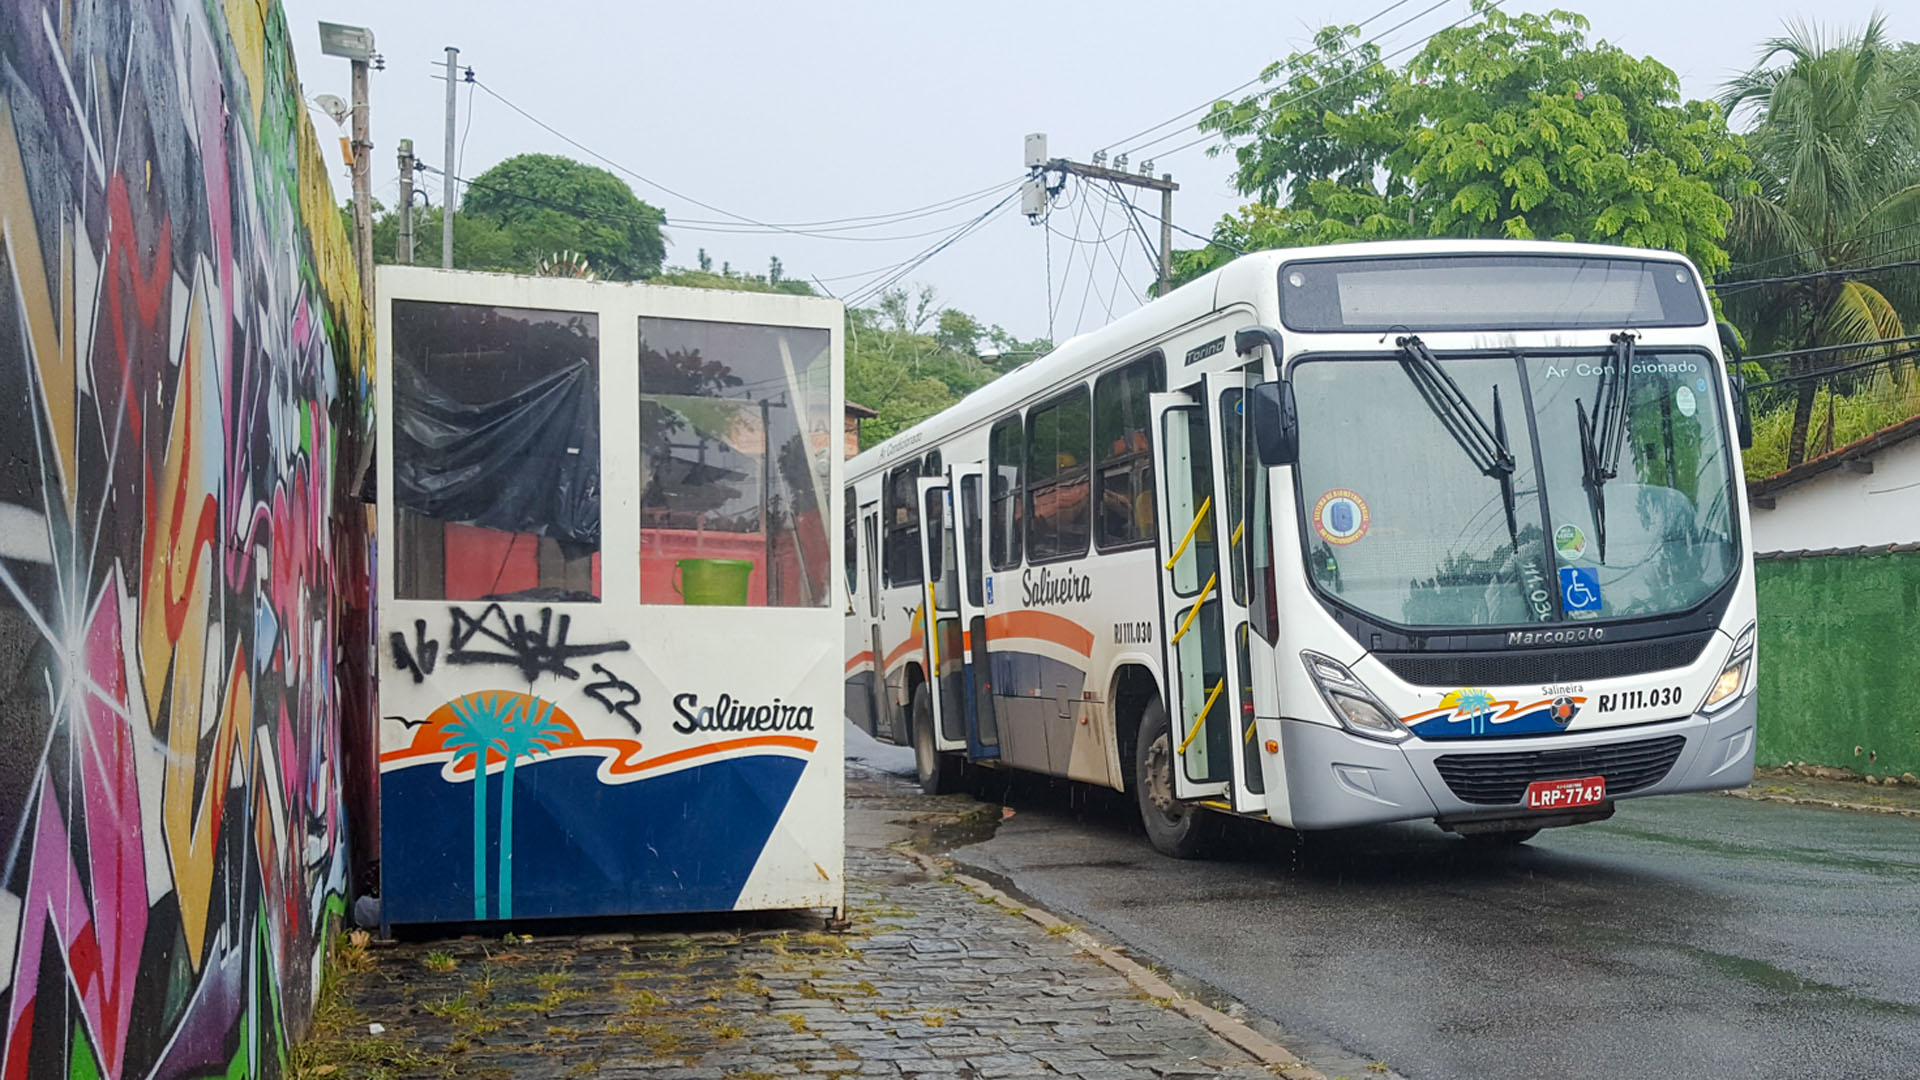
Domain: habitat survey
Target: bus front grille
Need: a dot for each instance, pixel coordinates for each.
(1501, 779)
(1519, 667)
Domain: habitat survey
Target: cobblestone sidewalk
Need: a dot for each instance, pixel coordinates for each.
(935, 980)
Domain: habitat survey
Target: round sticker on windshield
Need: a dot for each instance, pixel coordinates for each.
(1340, 517)
(1570, 542)
(1683, 397)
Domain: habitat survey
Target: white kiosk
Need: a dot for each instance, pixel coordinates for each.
(610, 598)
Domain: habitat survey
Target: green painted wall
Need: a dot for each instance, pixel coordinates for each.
(1838, 638)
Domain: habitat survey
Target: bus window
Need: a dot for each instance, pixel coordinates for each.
(852, 545)
(930, 465)
(1058, 475)
(902, 552)
(1006, 449)
(1122, 458)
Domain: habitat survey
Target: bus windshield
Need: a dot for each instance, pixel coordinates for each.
(1403, 523)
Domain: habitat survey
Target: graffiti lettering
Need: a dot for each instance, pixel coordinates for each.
(535, 650)
(420, 660)
(630, 695)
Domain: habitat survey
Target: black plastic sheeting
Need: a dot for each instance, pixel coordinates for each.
(526, 462)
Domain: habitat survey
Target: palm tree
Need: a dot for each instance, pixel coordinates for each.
(478, 733)
(1836, 152)
(529, 729)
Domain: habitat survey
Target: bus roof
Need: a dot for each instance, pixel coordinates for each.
(1241, 279)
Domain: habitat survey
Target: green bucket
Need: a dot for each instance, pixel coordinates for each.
(720, 582)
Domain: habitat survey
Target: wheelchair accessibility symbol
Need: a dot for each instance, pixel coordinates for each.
(1579, 589)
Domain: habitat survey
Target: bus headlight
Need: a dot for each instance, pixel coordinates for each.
(1352, 703)
(1733, 678)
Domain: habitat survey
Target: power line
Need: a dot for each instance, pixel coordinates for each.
(1324, 87)
(738, 218)
(1235, 248)
(1208, 104)
(1824, 349)
(869, 291)
(1816, 250)
(1850, 271)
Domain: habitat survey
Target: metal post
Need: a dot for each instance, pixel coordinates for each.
(1166, 235)
(362, 181)
(446, 163)
(403, 248)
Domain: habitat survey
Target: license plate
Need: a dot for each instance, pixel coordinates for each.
(1561, 794)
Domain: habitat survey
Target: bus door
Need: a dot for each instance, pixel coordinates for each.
(880, 713)
(983, 729)
(1235, 471)
(1197, 547)
(940, 620)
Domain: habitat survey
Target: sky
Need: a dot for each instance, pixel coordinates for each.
(789, 115)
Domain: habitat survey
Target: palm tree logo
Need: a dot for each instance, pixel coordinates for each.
(1472, 705)
(505, 726)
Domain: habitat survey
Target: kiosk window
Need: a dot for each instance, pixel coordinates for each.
(1122, 454)
(1006, 450)
(736, 434)
(496, 456)
(1058, 488)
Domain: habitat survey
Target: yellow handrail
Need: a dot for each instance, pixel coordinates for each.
(1202, 718)
(1197, 604)
(933, 630)
(1198, 516)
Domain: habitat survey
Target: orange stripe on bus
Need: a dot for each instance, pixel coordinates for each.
(1043, 625)
(912, 644)
(862, 658)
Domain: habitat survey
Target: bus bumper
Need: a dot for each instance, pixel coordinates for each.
(1335, 779)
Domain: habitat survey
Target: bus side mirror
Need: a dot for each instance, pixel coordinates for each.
(1276, 426)
(1743, 415)
(1276, 431)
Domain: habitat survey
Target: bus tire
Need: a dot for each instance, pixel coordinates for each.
(939, 773)
(1180, 830)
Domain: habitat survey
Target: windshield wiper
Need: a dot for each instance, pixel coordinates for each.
(1485, 446)
(1600, 460)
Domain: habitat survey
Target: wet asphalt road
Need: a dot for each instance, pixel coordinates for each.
(1692, 936)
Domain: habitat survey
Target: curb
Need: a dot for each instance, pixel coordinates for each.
(1829, 804)
(1250, 1042)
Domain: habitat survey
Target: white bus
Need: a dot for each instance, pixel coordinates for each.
(1446, 530)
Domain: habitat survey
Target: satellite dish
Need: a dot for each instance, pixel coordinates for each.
(332, 106)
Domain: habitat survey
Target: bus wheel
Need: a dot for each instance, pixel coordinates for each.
(1177, 829)
(939, 773)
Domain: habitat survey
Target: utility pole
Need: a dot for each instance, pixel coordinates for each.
(447, 163)
(403, 249)
(1034, 199)
(355, 43)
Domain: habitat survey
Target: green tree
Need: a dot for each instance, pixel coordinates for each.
(548, 203)
(1509, 126)
(1836, 152)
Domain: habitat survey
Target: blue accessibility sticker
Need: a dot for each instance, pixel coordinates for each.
(989, 591)
(1580, 588)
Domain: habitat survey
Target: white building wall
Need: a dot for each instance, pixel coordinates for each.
(1840, 508)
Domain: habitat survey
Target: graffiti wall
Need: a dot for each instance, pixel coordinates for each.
(610, 613)
(178, 339)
